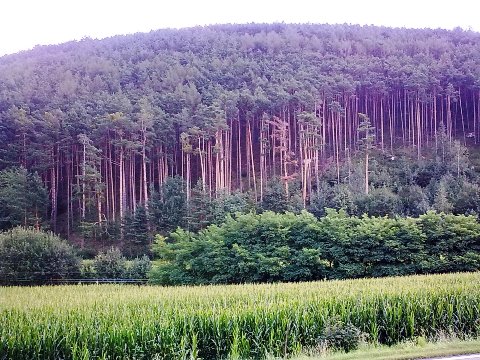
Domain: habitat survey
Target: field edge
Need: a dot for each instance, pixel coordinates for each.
(404, 351)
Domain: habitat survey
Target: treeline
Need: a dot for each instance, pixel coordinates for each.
(272, 247)
(106, 123)
(398, 185)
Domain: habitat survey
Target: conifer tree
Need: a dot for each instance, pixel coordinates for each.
(23, 199)
(366, 142)
(169, 208)
(441, 203)
(199, 208)
(137, 234)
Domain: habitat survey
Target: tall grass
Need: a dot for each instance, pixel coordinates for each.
(211, 322)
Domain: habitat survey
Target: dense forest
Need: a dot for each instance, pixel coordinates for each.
(114, 139)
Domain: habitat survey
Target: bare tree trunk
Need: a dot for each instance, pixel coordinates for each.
(69, 198)
(252, 160)
(419, 128)
(262, 158)
(462, 117)
(54, 190)
(144, 172)
(122, 189)
(84, 164)
(133, 182)
(239, 156)
(366, 173)
(381, 126)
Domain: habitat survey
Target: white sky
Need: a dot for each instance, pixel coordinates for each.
(26, 23)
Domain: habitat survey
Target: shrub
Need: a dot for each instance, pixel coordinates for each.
(379, 202)
(87, 269)
(32, 256)
(138, 268)
(338, 335)
(110, 264)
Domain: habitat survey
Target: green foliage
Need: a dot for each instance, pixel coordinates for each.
(92, 231)
(110, 264)
(168, 208)
(200, 206)
(366, 133)
(441, 202)
(187, 260)
(23, 199)
(452, 242)
(272, 247)
(319, 202)
(399, 186)
(333, 233)
(379, 202)
(340, 336)
(29, 256)
(385, 247)
(137, 233)
(218, 322)
(87, 269)
(78, 112)
(275, 198)
(225, 204)
(467, 198)
(248, 247)
(414, 200)
(138, 268)
(338, 196)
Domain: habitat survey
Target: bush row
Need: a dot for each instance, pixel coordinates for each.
(113, 265)
(272, 247)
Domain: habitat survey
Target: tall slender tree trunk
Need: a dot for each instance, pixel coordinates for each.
(54, 191)
(122, 201)
(252, 160)
(84, 164)
(144, 173)
(366, 173)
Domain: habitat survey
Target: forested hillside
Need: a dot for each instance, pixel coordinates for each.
(166, 125)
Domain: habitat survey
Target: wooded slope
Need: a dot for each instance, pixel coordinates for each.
(105, 122)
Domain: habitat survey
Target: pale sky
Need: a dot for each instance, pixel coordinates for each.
(26, 23)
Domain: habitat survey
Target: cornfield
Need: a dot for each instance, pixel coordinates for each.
(215, 322)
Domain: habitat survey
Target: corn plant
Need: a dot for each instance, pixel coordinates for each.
(228, 322)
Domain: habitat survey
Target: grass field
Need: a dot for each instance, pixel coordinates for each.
(242, 321)
(403, 351)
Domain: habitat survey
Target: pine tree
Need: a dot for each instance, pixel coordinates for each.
(441, 203)
(91, 187)
(200, 212)
(23, 199)
(275, 199)
(168, 208)
(366, 142)
(137, 233)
